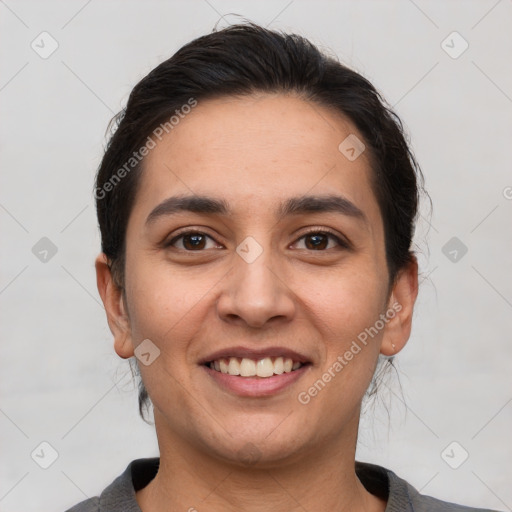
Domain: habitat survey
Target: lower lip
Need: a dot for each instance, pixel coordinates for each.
(256, 386)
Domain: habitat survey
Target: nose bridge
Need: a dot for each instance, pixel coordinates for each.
(254, 291)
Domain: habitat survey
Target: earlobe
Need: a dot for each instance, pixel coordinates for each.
(115, 308)
(401, 302)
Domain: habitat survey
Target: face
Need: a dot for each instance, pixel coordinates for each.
(284, 259)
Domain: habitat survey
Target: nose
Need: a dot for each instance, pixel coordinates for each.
(255, 293)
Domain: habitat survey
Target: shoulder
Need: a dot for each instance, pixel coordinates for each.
(119, 496)
(422, 503)
(89, 505)
(402, 496)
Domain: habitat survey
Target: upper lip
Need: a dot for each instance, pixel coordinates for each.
(256, 354)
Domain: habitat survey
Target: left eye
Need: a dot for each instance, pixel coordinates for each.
(319, 240)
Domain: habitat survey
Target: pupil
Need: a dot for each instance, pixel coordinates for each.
(318, 243)
(196, 240)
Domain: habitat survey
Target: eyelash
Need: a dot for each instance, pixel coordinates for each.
(316, 231)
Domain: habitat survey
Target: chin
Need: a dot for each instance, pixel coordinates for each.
(263, 447)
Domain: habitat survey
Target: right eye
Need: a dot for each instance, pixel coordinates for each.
(190, 240)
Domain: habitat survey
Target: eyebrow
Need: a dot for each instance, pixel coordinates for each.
(292, 206)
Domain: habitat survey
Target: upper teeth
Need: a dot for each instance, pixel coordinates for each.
(245, 367)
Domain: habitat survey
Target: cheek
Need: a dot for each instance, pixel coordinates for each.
(348, 301)
(347, 309)
(161, 291)
(165, 308)
(161, 303)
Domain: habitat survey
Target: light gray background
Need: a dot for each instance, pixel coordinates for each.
(61, 381)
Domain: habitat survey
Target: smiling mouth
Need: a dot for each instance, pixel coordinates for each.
(246, 367)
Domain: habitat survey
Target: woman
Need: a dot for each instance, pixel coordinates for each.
(257, 204)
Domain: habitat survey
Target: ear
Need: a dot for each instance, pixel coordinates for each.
(117, 316)
(401, 302)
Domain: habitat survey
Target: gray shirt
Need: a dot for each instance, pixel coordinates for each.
(119, 496)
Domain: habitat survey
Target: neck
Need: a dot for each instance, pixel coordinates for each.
(190, 480)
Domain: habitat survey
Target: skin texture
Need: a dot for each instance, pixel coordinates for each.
(254, 152)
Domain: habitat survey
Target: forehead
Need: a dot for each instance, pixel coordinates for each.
(255, 151)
